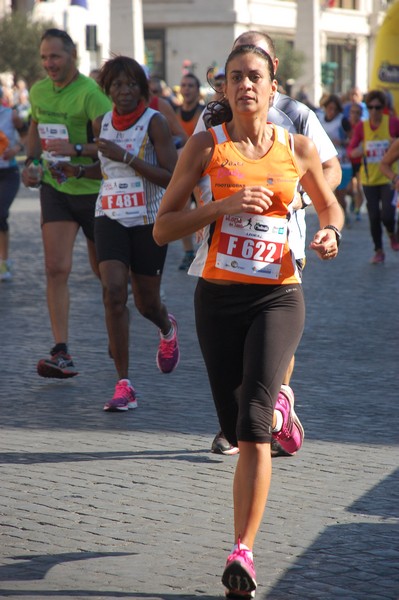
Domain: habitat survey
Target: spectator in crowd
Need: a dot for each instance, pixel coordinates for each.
(159, 87)
(10, 145)
(370, 140)
(217, 82)
(21, 100)
(337, 126)
(94, 73)
(189, 113)
(355, 189)
(389, 165)
(158, 102)
(355, 96)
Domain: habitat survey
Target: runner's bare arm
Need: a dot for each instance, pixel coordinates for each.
(173, 222)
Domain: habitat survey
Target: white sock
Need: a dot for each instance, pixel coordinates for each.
(243, 547)
(279, 421)
(125, 380)
(168, 336)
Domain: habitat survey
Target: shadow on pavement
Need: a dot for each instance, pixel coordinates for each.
(31, 458)
(355, 561)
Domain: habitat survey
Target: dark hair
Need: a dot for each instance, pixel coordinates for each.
(60, 34)
(219, 111)
(123, 64)
(197, 81)
(357, 106)
(376, 95)
(261, 34)
(333, 99)
(211, 78)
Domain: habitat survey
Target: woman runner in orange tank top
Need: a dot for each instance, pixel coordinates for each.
(248, 302)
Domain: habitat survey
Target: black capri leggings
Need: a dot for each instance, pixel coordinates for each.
(9, 186)
(381, 210)
(248, 335)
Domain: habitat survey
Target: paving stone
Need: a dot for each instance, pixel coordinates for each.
(106, 506)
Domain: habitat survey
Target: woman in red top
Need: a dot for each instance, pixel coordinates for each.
(355, 187)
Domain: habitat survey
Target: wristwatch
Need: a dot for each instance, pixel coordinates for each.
(78, 149)
(337, 232)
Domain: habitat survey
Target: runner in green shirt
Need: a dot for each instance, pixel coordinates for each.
(64, 105)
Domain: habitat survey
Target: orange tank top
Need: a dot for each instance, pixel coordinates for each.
(247, 247)
(189, 124)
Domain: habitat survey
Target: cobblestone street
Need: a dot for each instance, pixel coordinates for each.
(99, 506)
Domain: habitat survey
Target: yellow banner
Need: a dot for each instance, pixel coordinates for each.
(385, 72)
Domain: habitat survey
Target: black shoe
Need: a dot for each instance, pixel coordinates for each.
(187, 260)
(277, 450)
(221, 446)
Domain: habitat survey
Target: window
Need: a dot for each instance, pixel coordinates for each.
(154, 41)
(348, 4)
(344, 76)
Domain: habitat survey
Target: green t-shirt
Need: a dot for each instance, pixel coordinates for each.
(74, 106)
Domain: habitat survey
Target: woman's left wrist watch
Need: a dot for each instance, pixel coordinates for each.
(337, 232)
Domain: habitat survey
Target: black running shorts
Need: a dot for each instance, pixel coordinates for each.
(58, 206)
(134, 246)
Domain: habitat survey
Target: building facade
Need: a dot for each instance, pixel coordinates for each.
(337, 37)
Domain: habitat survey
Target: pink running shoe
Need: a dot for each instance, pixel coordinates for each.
(168, 354)
(124, 397)
(394, 242)
(239, 576)
(378, 258)
(291, 435)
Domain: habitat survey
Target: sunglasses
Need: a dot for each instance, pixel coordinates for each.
(375, 107)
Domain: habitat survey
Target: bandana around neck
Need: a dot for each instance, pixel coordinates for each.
(122, 122)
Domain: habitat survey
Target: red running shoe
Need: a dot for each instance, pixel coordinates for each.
(59, 365)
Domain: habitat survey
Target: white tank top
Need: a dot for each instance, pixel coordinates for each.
(125, 195)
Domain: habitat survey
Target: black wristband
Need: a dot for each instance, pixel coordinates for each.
(337, 232)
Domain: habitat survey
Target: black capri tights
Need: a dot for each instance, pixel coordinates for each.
(381, 209)
(9, 185)
(248, 335)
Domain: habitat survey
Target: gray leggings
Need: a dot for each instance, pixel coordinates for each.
(248, 335)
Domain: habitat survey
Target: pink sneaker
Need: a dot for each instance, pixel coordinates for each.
(291, 435)
(239, 576)
(124, 397)
(394, 243)
(168, 354)
(378, 258)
